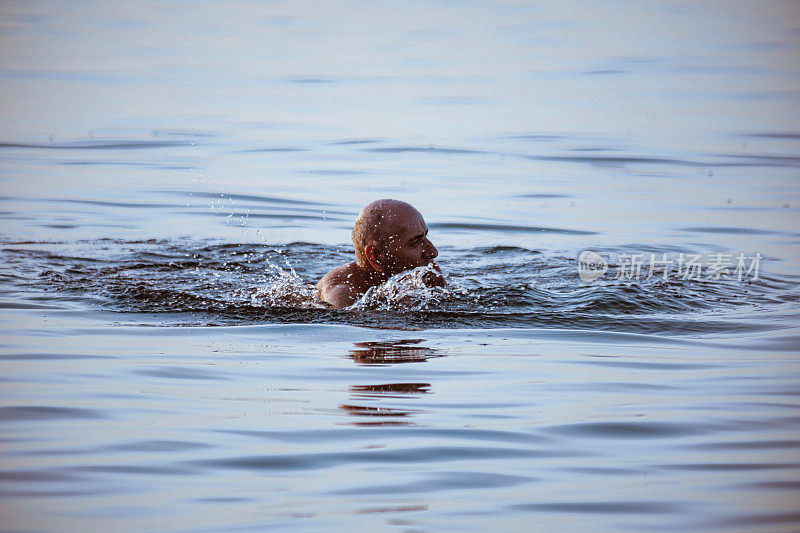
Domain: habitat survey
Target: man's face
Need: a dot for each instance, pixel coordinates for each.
(407, 245)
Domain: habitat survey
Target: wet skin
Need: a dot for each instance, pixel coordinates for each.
(404, 245)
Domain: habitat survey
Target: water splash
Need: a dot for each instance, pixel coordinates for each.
(283, 287)
(412, 290)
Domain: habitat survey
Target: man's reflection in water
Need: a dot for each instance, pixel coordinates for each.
(385, 354)
(392, 352)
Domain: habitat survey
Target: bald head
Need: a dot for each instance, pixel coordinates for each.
(390, 226)
(378, 224)
(390, 237)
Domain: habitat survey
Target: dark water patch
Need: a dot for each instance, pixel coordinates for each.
(538, 137)
(603, 507)
(68, 226)
(312, 81)
(144, 446)
(764, 160)
(423, 149)
(789, 444)
(395, 509)
(38, 476)
(175, 167)
(606, 72)
(779, 423)
(223, 499)
(104, 163)
(50, 357)
(56, 258)
(791, 391)
(454, 100)
(758, 519)
(142, 470)
(604, 471)
(442, 481)
(617, 387)
(625, 430)
(343, 435)
(250, 209)
(180, 373)
(777, 207)
(355, 141)
(270, 150)
(110, 204)
(784, 343)
(54, 493)
(98, 145)
(268, 216)
(157, 446)
(477, 406)
(643, 365)
(728, 230)
(22, 305)
(774, 135)
(499, 249)
(84, 77)
(774, 485)
(729, 467)
(542, 196)
(38, 412)
(331, 172)
(249, 197)
(614, 160)
(192, 134)
(420, 454)
(768, 405)
(506, 228)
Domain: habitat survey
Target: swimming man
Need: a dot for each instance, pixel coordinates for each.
(389, 237)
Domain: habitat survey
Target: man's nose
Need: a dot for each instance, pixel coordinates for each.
(430, 250)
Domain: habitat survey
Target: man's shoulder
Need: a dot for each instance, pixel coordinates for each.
(340, 286)
(338, 275)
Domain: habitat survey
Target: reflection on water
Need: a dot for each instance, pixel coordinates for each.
(391, 352)
(385, 390)
(388, 416)
(382, 354)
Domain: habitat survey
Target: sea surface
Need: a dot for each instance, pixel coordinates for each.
(614, 190)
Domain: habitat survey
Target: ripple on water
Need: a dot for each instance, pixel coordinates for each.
(489, 287)
(605, 507)
(627, 430)
(442, 481)
(41, 412)
(415, 455)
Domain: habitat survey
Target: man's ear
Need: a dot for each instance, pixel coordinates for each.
(372, 258)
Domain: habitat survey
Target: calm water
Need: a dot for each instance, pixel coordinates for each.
(174, 175)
